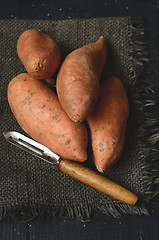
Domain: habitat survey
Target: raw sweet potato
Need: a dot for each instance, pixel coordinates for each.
(78, 79)
(107, 124)
(39, 53)
(39, 113)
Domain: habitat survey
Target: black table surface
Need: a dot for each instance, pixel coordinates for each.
(102, 226)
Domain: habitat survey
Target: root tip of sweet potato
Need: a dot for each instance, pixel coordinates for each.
(101, 169)
(75, 120)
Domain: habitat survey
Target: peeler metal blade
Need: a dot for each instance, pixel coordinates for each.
(31, 146)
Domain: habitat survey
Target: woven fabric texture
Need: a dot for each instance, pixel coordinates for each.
(31, 186)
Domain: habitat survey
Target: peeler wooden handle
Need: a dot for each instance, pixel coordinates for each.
(97, 181)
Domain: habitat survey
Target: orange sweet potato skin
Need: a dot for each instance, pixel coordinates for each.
(39, 53)
(39, 113)
(78, 79)
(107, 124)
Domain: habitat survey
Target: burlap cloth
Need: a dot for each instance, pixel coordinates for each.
(33, 187)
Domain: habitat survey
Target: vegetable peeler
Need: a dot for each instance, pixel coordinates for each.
(72, 168)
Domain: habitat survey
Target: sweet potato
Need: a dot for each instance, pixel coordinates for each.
(78, 79)
(107, 124)
(39, 113)
(39, 53)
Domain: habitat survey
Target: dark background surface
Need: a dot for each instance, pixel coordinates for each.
(102, 227)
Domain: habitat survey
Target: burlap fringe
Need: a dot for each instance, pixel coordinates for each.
(144, 99)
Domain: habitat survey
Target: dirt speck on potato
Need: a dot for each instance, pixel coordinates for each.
(44, 106)
(53, 109)
(32, 93)
(114, 140)
(68, 141)
(27, 100)
(101, 146)
(56, 117)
